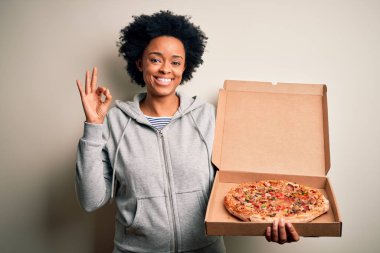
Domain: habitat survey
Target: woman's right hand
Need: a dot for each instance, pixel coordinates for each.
(94, 107)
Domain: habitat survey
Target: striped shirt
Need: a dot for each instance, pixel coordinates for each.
(158, 122)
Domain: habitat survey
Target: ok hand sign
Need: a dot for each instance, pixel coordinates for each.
(94, 107)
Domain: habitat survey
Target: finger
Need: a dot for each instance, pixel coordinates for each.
(100, 90)
(282, 232)
(108, 95)
(268, 233)
(275, 231)
(292, 232)
(88, 82)
(94, 78)
(80, 88)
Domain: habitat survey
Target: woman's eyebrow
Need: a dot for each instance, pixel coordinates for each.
(160, 54)
(177, 56)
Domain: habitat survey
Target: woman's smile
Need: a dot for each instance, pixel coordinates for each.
(163, 81)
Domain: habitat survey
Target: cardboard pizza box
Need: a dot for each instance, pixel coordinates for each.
(266, 131)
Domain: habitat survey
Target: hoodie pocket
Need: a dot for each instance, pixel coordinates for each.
(150, 229)
(192, 210)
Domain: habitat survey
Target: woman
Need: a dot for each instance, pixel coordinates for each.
(153, 153)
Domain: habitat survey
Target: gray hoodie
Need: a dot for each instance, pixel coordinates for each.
(161, 179)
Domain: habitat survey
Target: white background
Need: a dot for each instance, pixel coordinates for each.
(46, 45)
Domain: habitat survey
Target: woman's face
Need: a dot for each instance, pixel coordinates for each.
(162, 65)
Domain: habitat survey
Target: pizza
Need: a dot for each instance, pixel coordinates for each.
(267, 200)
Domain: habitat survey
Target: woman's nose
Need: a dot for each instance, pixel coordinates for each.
(165, 68)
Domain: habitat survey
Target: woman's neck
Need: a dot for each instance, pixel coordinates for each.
(159, 106)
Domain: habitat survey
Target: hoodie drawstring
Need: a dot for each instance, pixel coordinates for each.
(114, 162)
(208, 152)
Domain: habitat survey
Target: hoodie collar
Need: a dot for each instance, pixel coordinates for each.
(132, 108)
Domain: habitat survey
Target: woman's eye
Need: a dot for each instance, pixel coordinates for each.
(155, 60)
(177, 63)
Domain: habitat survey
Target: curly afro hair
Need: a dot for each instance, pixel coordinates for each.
(135, 37)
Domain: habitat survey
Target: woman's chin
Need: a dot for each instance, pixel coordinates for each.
(160, 91)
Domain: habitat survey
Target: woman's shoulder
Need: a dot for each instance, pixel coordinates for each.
(195, 103)
(116, 116)
(114, 112)
(207, 108)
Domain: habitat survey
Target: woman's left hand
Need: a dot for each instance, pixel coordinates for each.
(281, 232)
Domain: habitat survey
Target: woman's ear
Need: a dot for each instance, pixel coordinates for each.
(139, 64)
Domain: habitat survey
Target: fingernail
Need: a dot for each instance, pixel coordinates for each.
(282, 220)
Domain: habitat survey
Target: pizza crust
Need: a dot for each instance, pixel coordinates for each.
(299, 203)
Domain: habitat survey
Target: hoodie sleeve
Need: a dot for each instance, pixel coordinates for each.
(93, 168)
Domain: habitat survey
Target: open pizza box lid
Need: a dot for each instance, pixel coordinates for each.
(269, 128)
(266, 131)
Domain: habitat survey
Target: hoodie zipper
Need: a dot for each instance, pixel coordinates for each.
(170, 192)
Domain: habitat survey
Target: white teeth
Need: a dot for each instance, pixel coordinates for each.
(164, 80)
